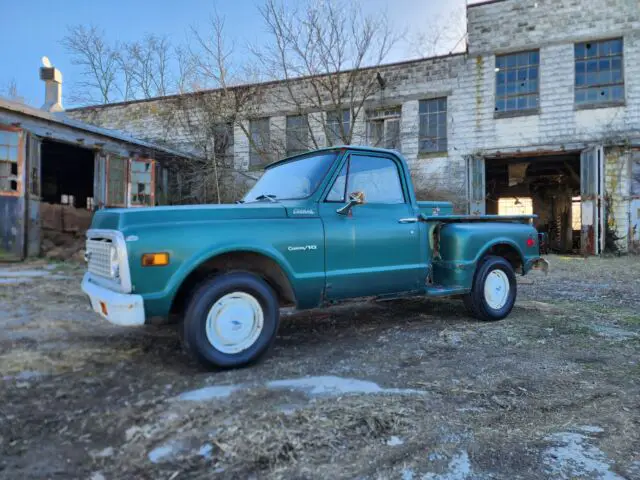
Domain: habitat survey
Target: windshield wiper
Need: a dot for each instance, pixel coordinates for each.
(268, 196)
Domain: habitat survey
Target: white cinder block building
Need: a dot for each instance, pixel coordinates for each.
(540, 114)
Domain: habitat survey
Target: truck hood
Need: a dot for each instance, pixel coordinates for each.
(122, 218)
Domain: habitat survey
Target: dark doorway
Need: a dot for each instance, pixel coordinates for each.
(66, 205)
(548, 186)
(67, 175)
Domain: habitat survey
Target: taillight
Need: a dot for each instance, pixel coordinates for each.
(531, 242)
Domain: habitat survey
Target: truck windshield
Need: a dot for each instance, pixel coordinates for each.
(292, 180)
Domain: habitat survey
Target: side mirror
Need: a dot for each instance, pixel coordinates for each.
(356, 198)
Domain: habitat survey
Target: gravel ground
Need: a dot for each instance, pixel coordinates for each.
(410, 389)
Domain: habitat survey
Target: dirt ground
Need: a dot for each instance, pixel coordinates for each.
(409, 390)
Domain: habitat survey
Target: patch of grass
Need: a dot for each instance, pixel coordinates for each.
(17, 361)
(632, 319)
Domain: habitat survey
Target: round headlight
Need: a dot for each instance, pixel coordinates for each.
(114, 264)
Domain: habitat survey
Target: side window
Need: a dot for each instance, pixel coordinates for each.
(336, 194)
(377, 177)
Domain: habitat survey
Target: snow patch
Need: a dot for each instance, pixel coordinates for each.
(205, 450)
(573, 456)
(209, 393)
(23, 273)
(395, 441)
(459, 468)
(162, 453)
(332, 386)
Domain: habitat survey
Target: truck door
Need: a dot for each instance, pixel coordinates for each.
(592, 201)
(376, 249)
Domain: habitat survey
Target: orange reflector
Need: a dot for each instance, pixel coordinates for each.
(103, 307)
(155, 259)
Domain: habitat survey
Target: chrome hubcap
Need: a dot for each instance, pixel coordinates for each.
(234, 322)
(496, 289)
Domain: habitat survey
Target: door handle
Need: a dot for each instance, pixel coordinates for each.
(408, 220)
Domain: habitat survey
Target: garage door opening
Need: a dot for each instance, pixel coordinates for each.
(548, 187)
(66, 208)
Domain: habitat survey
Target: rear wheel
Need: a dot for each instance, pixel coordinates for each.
(494, 290)
(231, 320)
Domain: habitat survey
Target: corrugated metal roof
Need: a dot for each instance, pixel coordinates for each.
(62, 119)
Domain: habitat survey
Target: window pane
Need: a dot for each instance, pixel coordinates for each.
(534, 58)
(117, 181)
(392, 134)
(432, 125)
(141, 182)
(603, 72)
(260, 139)
(297, 134)
(377, 177)
(617, 93)
(336, 194)
(616, 46)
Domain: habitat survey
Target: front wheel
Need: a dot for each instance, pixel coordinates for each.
(494, 290)
(231, 320)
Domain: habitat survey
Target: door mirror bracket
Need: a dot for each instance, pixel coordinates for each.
(355, 198)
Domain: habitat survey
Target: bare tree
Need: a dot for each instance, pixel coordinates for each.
(11, 90)
(321, 51)
(208, 118)
(98, 62)
(124, 71)
(445, 33)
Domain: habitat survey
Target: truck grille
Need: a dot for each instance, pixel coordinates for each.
(99, 256)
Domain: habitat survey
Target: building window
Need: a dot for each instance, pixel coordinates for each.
(117, 179)
(142, 187)
(517, 82)
(515, 206)
(338, 127)
(9, 161)
(433, 125)
(260, 141)
(383, 128)
(223, 143)
(599, 75)
(297, 134)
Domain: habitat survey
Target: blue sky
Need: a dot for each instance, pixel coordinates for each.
(33, 28)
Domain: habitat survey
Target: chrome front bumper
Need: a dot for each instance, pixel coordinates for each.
(118, 308)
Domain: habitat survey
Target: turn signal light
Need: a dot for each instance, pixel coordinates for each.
(530, 242)
(155, 259)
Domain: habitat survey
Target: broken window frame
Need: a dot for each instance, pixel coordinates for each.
(604, 52)
(433, 110)
(19, 148)
(338, 123)
(525, 95)
(259, 130)
(223, 143)
(151, 185)
(385, 117)
(297, 134)
(109, 202)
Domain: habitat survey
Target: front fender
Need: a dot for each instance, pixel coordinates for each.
(160, 302)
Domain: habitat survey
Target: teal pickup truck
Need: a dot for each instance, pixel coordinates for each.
(318, 228)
